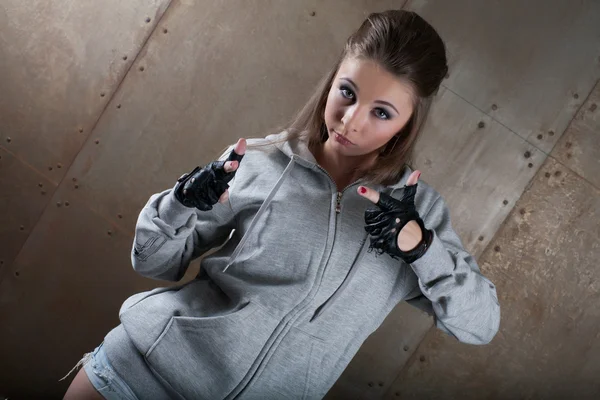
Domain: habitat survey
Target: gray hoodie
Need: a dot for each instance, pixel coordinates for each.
(282, 307)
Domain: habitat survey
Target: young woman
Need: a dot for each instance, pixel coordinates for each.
(331, 230)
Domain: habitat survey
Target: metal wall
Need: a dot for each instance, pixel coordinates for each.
(104, 104)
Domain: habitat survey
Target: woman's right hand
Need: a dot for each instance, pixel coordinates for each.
(204, 187)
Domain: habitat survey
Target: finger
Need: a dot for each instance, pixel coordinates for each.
(413, 178)
(231, 166)
(238, 151)
(224, 197)
(369, 193)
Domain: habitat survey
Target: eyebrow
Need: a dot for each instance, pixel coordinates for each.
(376, 101)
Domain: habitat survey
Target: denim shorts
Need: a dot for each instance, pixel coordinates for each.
(103, 377)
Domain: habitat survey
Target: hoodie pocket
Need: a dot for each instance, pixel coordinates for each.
(295, 370)
(205, 358)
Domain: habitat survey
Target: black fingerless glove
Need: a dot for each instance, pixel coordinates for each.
(202, 187)
(385, 223)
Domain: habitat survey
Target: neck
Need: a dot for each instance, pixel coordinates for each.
(343, 169)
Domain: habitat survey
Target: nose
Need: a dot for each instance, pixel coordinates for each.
(353, 118)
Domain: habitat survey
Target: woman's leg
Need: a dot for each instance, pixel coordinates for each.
(82, 389)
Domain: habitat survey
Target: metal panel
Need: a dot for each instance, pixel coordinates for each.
(61, 296)
(211, 72)
(60, 63)
(480, 167)
(579, 147)
(382, 356)
(23, 195)
(529, 65)
(543, 261)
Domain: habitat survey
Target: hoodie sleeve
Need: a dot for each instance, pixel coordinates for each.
(169, 235)
(463, 302)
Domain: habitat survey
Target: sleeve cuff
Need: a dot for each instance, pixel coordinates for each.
(436, 261)
(172, 212)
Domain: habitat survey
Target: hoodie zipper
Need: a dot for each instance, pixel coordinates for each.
(338, 209)
(338, 205)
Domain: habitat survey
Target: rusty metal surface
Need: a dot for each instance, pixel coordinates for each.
(529, 65)
(61, 296)
(23, 197)
(480, 167)
(543, 261)
(210, 74)
(579, 147)
(60, 63)
(382, 356)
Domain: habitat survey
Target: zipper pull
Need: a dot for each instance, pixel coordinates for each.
(338, 205)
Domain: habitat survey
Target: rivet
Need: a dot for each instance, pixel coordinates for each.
(74, 179)
(21, 227)
(76, 186)
(530, 165)
(422, 358)
(481, 124)
(17, 273)
(141, 68)
(165, 30)
(575, 96)
(109, 233)
(405, 348)
(97, 141)
(49, 168)
(593, 107)
(540, 136)
(148, 19)
(380, 383)
(67, 203)
(505, 202)
(118, 106)
(370, 384)
(58, 204)
(480, 238)
(80, 130)
(59, 165)
(312, 14)
(551, 133)
(101, 94)
(527, 154)
(119, 215)
(547, 174)
(397, 393)
(1, 262)
(522, 211)
(43, 192)
(124, 58)
(40, 184)
(496, 248)
(557, 173)
(568, 155)
(494, 107)
(568, 145)
(8, 139)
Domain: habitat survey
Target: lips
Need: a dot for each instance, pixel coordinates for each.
(342, 138)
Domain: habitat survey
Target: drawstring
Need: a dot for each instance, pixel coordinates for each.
(261, 210)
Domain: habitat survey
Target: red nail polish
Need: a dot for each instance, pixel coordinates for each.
(363, 190)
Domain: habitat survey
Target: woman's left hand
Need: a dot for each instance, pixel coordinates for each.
(383, 223)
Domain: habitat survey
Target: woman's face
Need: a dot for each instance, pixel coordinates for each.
(365, 108)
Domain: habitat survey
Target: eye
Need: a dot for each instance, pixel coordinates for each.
(347, 92)
(381, 113)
